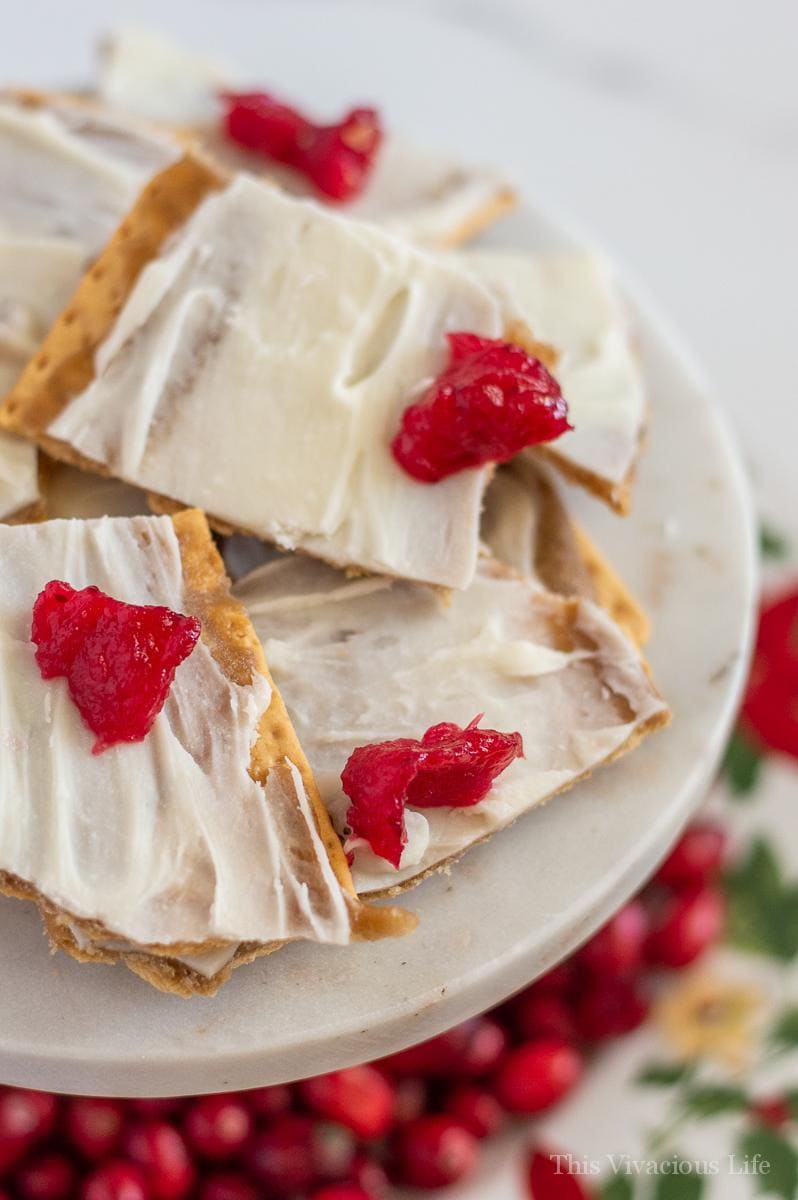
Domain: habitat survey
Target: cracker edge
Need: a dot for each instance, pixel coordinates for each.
(234, 645)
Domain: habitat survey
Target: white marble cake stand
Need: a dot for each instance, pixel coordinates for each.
(512, 907)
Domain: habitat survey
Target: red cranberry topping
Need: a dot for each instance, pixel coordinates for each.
(449, 766)
(435, 1151)
(160, 1152)
(360, 1098)
(536, 1075)
(490, 402)
(337, 159)
(119, 659)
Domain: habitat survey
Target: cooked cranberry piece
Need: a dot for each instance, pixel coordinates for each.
(360, 1098)
(337, 159)
(448, 766)
(536, 1075)
(94, 1125)
(697, 856)
(119, 659)
(490, 403)
(687, 925)
(160, 1152)
(217, 1127)
(434, 1151)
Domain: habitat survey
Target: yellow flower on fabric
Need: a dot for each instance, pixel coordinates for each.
(707, 1017)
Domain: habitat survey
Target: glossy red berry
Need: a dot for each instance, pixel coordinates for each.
(116, 1180)
(369, 1175)
(537, 1014)
(608, 1008)
(361, 1098)
(156, 1107)
(228, 1185)
(468, 1051)
(217, 1127)
(410, 1099)
(769, 717)
(434, 1151)
(159, 1150)
(697, 856)
(268, 1102)
(537, 1075)
(341, 1191)
(617, 948)
(476, 1109)
(774, 1111)
(93, 1126)
(560, 979)
(550, 1179)
(687, 925)
(45, 1177)
(282, 1157)
(26, 1117)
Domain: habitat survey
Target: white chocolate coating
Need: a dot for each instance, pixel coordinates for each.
(168, 840)
(369, 660)
(259, 369)
(570, 301)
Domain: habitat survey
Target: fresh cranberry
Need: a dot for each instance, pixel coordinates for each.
(617, 948)
(217, 1127)
(47, 1177)
(26, 1117)
(410, 1099)
(228, 1185)
(434, 1151)
(774, 1112)
(117, 1180)
(268, 1102)
(476, 1109)
(119, 659)
(697, 856)
(768, 715)
(490, 402)
(333, 1151)
(156, 1108)
(686, 926)
(536, 1075)
(361, 1098)
(337, 159)
(294, 1152)
(542, 1014)
(159, 1150)
(467, 1051)
(609, 1007)
(341, 1191)
(449, 766)
(369, 1175)
(559, 979)
(550, 1179)
(93, 1125)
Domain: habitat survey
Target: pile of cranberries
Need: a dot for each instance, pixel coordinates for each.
(416, 1118)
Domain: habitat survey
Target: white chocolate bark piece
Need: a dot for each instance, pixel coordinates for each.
(369, 660)
(168, 841)
(67, 176)
(259, 369)
(570, 302)
(415, 193)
